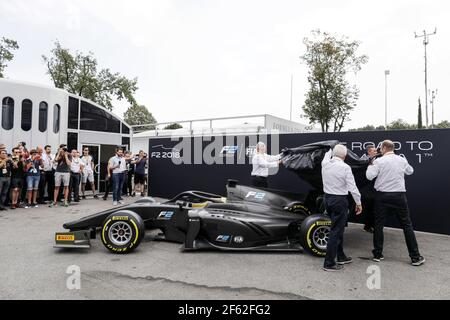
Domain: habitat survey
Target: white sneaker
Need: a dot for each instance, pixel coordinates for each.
(121, 202)
(114, 203)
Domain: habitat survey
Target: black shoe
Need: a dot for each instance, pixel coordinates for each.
(95, 196)
(334, 268)
(83, 197)
(345, 260)
(378, 258)
(368, 229)
(104, 199)
(417, 261)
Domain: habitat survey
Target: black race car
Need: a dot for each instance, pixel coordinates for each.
(247, 219)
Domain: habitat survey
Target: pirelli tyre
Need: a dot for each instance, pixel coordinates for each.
(314, 234)
(122, 231)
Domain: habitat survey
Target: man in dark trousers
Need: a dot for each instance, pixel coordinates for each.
(390, 171)
(338, 182)
(368, 193)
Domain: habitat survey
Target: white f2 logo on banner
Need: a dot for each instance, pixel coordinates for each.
(374, 280)
(73, 282)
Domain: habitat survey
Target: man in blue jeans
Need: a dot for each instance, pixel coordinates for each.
(338, 181)
(117, 166)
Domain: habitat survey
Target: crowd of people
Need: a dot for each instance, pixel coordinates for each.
(38, 176)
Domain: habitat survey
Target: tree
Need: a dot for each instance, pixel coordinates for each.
(139, 114)
(400, 124)
(369, 127)
(419, 116)
(78, 73)
(330, 97)
(443, 125)
(6, 53)
(173, 126)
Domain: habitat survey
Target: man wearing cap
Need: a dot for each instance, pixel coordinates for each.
(338, 182)
(262, 162)
(390, 171)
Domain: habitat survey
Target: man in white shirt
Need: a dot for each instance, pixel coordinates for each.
(117, 165)
(49, 170)
(390, 171)
(88, 173)
(262, 162)
(338, 182)
(76, 167)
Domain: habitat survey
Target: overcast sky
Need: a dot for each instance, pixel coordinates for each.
(213, 58)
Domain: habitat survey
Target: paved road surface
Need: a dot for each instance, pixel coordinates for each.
(32, 269)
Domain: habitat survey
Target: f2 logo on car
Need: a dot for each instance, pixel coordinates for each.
(256, 195)
(229, 150)
(166, 215)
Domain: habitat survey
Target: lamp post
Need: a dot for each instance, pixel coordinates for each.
(433, 97)
(386, 73)
(425, 37)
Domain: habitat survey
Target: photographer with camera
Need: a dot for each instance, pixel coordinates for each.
(139, 172)
(62, 174)
(368, 192)
(5, 177)
(17, 176)
(32, 168)
(117, 165)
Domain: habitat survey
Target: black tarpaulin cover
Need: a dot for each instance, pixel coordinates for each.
(306, 161)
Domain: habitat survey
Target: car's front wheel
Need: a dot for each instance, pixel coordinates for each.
(122, 231)
(314, 234)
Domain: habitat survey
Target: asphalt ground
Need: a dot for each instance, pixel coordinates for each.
(30, 268)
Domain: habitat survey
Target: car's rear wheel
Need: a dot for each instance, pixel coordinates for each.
(314, 234)
(122, 231)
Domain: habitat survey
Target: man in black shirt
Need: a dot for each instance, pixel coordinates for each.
(5, 177)
(17, 176)
(62, 174)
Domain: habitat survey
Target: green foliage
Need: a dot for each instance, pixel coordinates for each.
(173, 126)
(400, 124)
(443, 125)
(6, 53)
(78, 73)
(139, 114)
(369, 127)
(330, 97)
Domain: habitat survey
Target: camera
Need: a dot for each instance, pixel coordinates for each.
(65, 149)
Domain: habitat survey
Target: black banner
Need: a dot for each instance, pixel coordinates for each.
(205, 164)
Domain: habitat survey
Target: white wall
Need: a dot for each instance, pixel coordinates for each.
(37, 94)
(139, 144)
